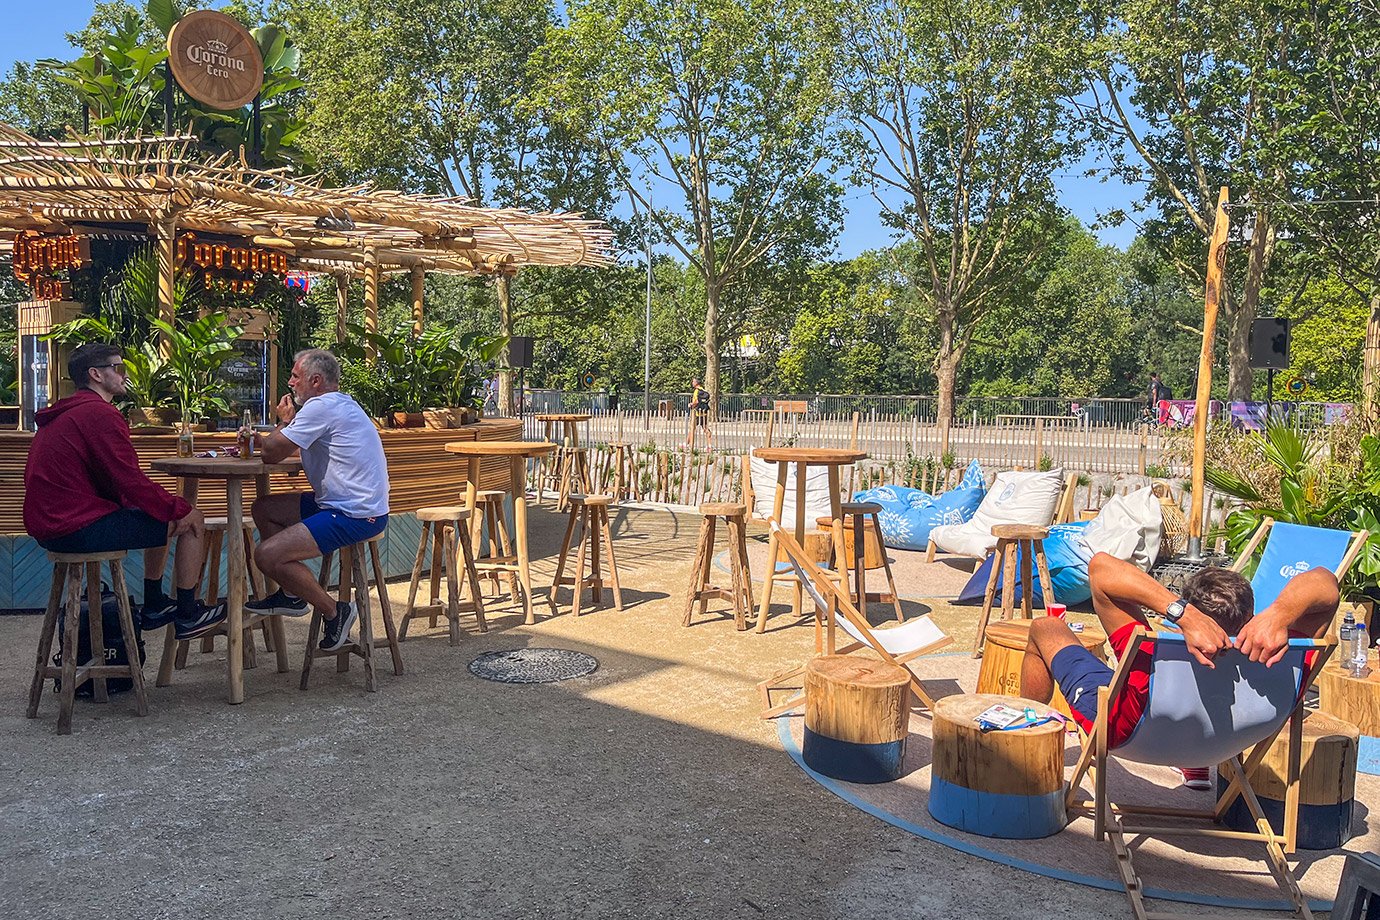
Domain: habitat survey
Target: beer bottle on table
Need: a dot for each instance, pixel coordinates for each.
(246, 437)
(185, 447)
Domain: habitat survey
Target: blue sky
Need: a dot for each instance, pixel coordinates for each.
(38, 30)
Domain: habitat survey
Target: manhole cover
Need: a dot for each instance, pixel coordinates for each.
(533, 665)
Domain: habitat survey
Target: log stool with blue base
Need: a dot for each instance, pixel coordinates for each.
(857, 715)
(996, 783)
(1317, 813)
(67, 580)
(1355, 700)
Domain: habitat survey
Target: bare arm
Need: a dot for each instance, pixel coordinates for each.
(1307, 605)
(1120, 590)
(277, 448)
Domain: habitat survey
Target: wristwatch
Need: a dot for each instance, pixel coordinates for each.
(1175, 611)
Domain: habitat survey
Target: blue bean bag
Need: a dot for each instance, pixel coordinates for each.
(1068, 555)
(908, 515)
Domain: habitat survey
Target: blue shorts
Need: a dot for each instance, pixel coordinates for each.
(1080, 674)
(331, 529)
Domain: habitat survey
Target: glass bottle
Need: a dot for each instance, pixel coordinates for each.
(246, 437)
(185, 447)
(1346, 648)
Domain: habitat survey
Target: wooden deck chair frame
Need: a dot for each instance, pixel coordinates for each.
(839, 604)
(1108, 817)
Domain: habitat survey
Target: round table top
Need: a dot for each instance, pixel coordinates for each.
(1015, 634)
(563, 417)
(810, 456)
(964, 708)
(499, 448)
(857, 671)
(212, 467)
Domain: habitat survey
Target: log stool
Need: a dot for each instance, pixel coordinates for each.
(592, 514)
(351, 574)
(444, 528)
(857, 716)
(996, 783)
(67, 580)
(1355, 700)
(739, 591)
(490, 525)
(1014, 540)
(1325, 798)
(1006, 647)
(272, 627)
(865, 553)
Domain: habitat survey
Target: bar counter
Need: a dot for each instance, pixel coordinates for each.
(419, 469)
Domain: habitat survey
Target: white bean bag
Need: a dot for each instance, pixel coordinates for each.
(1015, 498)
(764, 493)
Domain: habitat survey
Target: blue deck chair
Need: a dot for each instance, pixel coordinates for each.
(834, 610)
(1295, 548)
(1202, 715)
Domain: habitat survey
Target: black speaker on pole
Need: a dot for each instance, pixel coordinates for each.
(520, 351)
(1270, 343)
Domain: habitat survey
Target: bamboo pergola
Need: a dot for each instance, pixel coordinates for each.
(160, 185)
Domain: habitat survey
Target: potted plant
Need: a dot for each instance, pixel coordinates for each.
(195, 354)
(148, 383)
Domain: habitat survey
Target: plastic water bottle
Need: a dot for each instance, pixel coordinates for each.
(1362, 644)
(1346, 638)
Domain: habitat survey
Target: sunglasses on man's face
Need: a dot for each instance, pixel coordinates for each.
(118, 368)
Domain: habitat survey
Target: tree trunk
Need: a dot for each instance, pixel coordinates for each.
(1370, 361)
(1240, 376)
(946, 362)
(507, 403)
(711, 347)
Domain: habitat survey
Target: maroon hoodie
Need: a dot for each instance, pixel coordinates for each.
(82, 466)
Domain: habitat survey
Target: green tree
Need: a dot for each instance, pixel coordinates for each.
(34, 101)
(959, 130)
(724, 102)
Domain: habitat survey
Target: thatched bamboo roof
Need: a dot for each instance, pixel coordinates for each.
(96, 185)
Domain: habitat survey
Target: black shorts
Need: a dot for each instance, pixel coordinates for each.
(701, 417)
(128, 528)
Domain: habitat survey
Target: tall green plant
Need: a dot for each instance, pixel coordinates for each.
(196, 352)
(411, 372)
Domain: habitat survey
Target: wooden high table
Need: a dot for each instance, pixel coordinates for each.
(233, 472)
(517, 453)
(803, 458)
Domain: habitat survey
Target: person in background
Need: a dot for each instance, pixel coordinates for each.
(85, 493)
(1159, 391)
(342, 456)
(699, 413)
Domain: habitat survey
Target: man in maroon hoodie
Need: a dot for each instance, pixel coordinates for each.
(84, 493)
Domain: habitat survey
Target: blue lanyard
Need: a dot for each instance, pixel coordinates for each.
(1031, 721)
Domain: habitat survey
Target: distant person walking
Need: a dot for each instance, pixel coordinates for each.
(699, 413)
(1159, 391)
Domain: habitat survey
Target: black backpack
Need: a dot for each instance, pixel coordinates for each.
(111, 634)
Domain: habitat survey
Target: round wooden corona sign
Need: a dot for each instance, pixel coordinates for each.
(215, 60)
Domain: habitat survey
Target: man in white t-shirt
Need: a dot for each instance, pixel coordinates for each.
(342, 456)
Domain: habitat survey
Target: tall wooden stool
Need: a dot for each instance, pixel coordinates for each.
(351, 574)
(67, 579)
(622, 472)
(490, 524)
(574, 475)
(739, 591)
(864, 552)
(272, 627)
(592, 514)
(1014, 540)
(445, 528)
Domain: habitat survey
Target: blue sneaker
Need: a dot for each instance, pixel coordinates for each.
(337, 630)
(280, 604)
(158, 617)
(204, 620)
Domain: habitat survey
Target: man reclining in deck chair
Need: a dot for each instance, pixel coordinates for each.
(1217, 603)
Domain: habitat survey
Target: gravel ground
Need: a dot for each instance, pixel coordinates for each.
(648, 789)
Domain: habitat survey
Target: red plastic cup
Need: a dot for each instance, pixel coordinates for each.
(1056, 610)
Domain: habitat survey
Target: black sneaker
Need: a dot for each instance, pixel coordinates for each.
(279, 603)
(338, 630)
(158, 617)
(204, 620)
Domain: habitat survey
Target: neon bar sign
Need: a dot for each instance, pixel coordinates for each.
(232, 266)
(37, 258)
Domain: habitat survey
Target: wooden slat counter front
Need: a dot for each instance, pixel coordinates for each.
(420, 471)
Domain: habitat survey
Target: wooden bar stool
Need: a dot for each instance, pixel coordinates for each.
(491, 525)
(862, 542)
(272, 627)
(351, 574)
(67, 579)
(574, 475)
(444, 527)
(739, 591)
(1013, 540)
(592, 513)
(622, 478)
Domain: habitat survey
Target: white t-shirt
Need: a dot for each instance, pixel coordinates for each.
(342, 455)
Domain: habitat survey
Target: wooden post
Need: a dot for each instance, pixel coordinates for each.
(371, 297)
(342, 304)
(1370, 361)
(166, 232)
(1217, 264)
(418, 287)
